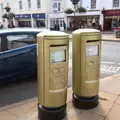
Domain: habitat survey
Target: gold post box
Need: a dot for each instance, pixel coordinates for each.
(86, 67)
(52, 63)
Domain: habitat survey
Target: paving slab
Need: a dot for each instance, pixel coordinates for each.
(107, 96)
(114, 113)
(111, 84)
(23, 109)
(87, 116)
(7, 116)
(118, 100)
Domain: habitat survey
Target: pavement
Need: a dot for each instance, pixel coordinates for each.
(106, 36)
(107, 109)
(109, 37)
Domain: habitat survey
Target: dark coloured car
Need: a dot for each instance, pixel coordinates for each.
(18, 53)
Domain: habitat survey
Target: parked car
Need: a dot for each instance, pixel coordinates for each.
(18, 53)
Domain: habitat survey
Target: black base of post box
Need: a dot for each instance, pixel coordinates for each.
(84, 102)
(51, 113)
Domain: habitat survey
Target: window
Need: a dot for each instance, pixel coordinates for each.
(38, 3)
(115, 3)
(20, 5)
(56, 6)
(0, 43)
(2, 7)
(40, 23)
(29, 4)
(20, 40)
(93, 4)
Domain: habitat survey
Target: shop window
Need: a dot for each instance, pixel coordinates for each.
(29, 4)
(40, 23)
(20, 5)
(38, 3)
(93, 4)
(115, 3)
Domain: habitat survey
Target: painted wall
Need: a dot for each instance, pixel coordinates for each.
(46, 5)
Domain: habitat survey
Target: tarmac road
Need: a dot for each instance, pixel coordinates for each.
(110, 58)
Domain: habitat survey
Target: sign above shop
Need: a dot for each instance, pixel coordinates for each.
(115, 12)
(38, 15)
(29, 16)
(23, 16)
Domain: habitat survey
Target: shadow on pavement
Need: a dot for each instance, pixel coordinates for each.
(17, 92)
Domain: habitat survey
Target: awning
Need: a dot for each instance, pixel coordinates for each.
(38, 15)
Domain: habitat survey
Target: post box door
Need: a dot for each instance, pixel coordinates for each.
(58, 67)
(92, 67)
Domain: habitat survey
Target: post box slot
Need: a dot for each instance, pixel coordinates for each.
(92, 41)
(62, 45)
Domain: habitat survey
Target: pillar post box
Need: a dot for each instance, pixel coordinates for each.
(86, 67)
(52, 65)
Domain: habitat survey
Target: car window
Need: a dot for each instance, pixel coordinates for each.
(20, 40)
(0, 44)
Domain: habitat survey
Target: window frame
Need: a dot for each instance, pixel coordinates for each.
(116, 3)
(93, 4)
(38, 4)
(20, 5)
(29, 4)
(4, 41)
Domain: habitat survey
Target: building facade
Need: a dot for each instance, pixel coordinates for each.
(49, 13)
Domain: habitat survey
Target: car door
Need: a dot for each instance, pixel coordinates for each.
(18, 56)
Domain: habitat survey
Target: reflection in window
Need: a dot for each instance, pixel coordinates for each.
(16, 41)
(0, 44)
(115, 3)
(40, 23)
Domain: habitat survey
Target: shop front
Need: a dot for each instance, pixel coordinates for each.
(83, 20)
(23, 20)
(111, 19)
(56, 21)
(39, 19)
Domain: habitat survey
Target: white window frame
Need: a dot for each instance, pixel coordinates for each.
(56, 6)
(93, 4)
(116, 3)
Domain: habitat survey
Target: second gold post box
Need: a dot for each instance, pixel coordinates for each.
(86, 67)
(52, 63)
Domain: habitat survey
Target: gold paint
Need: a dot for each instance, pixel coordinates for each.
(86, 69)
(52, 77)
